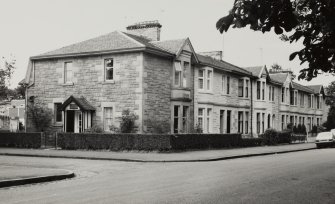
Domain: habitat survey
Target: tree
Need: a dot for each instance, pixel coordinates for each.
(330, 123)
(276, 67)
(7, 67)
(330, 93)
(310, 20)
(127, 124)
(40, 115)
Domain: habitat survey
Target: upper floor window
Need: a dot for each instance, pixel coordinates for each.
(68, 72)
(263, 90)
(271, 93)
(177, 74)
(228, 84)
(302, 99)
(209, 79)
(310, 101)
(295, 97)
(240, 87)
(201, 79)
(258, 90)
(247, 88)
(222, 84)
(186, 66)
(205, 79)
(283, 94)
(109, 66)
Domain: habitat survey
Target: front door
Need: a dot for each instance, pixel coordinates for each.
(70, 121)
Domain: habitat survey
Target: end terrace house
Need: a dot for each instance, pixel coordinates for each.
(91, 83)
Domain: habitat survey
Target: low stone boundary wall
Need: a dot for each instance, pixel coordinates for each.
(24, 140)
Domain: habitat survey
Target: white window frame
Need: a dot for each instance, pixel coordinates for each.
(105, 70)
(207, 79)
(67, 79)
(178, 74)
(111, 118)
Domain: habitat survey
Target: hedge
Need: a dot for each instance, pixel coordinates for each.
(146, 141)
(24, 140)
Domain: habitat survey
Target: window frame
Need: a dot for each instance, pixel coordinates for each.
(66, 69)
(56, 111)
(105, 70)
(110, 118)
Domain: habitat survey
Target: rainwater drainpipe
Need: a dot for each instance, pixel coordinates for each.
(251, 108)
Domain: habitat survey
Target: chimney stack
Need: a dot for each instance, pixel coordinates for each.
(150, 30)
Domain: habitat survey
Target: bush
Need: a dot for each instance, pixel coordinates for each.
(295, 129)
(127, 124)
(94, 129)
(270, 137)
(314, 129)
(251, 142)
(197, 129)
(158, 126)
(24, 140)
(289, 126)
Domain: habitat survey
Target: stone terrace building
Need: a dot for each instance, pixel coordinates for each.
(90, 83)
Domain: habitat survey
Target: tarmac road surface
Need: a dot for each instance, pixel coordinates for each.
(299, 177)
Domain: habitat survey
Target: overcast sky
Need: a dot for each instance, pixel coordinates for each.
(33, 27)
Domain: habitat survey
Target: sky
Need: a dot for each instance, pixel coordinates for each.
(33, 27)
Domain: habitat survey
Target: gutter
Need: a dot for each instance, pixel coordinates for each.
(138, 49)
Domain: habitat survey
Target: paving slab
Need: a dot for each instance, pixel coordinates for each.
(141, 156)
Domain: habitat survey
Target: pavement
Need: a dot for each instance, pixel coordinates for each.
(14, 176)
(141, 156)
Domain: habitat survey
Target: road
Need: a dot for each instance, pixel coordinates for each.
(300, 177)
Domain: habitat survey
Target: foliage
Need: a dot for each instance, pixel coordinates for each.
(314, 129)
(270, 137)
(127, 124)
(295, 129)
(94, 129)
(330, 123)
(290, 126)
(330, 93)
(276, 67)
(158, 126)
(309, 20)
(40, 115)
(7, 67)
(197, 129)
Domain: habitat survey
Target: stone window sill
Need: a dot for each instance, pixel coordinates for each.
(109, 82)
(68, 84)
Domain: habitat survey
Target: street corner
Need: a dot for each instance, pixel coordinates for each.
(22, 175)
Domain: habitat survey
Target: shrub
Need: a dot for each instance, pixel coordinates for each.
(289, 126)
(251, 142)
(270, 137)
(127, 124)
(41, 116)
(295, 129)
(303, 129)
(196, 129)
(314, 129)
(94, 129)
(158, 126)
(299, 129)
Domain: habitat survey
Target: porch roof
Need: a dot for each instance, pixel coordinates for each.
(81, 102)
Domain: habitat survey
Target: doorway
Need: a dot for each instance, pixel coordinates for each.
(70, 121)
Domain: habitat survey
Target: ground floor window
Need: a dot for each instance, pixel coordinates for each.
(180, 119)
(258, 121)
(240, 121)
(246, 122)
(221, 121)
(58, 112)
(228, 121)
(108, 118)
(205, 119)
(282, 122)
(263, 126)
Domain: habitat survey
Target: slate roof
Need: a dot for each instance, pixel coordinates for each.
(206, 60)
(254, 70)
(315, 88)
(279, 77)
(172, 46)
(302, 88)
(114, 41)
(81, 102)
